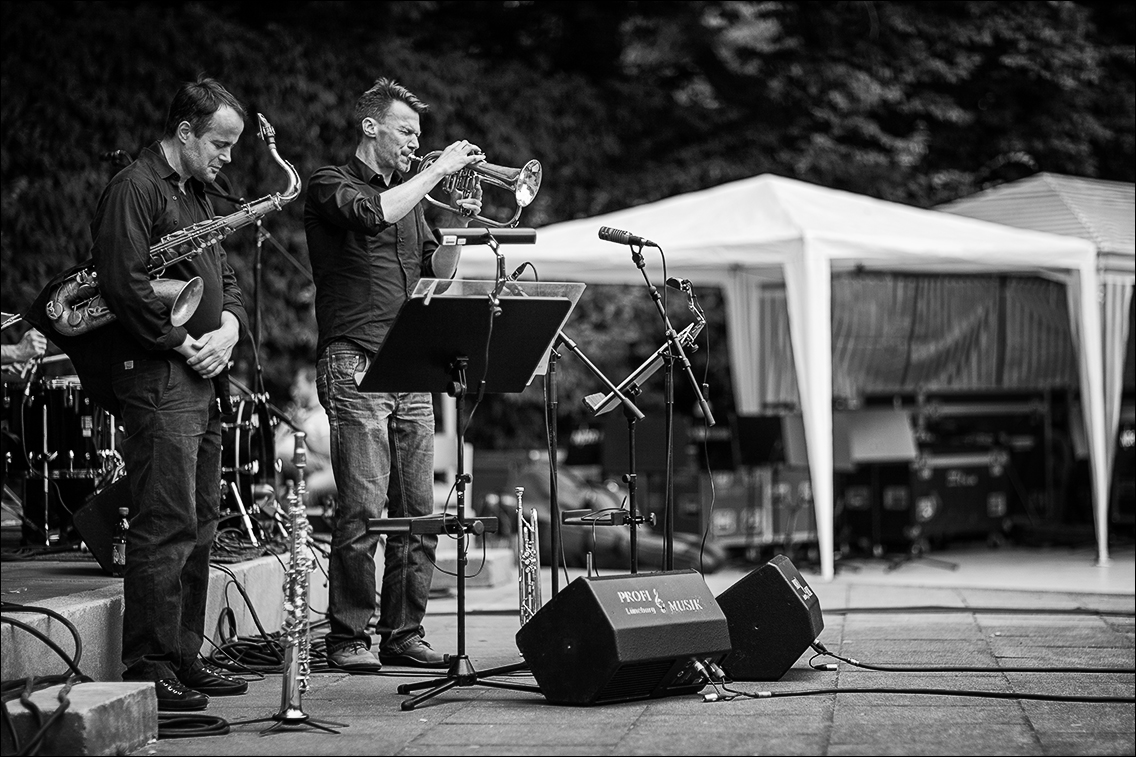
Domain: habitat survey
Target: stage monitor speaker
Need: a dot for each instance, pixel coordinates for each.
(619, 638)
(95, 520)
(773, 617)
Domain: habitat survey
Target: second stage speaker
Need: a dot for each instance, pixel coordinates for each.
(619, 638)
(773, 616)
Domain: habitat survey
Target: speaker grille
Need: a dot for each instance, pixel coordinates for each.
(632, 680)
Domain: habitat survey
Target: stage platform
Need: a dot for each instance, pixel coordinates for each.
(1052, 600)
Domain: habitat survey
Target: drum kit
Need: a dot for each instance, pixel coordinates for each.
(61, 448)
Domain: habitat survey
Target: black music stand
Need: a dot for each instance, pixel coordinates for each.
(446, 336)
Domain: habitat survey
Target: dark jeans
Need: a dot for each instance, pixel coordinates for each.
(172, 452)
(382, 456)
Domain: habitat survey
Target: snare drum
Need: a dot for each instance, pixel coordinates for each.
(61, 424)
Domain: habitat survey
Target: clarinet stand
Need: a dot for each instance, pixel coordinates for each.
(297, 621)
(443, 335)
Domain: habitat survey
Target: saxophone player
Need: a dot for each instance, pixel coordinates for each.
(161, 382)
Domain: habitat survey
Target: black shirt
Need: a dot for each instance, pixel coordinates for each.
(141, 205)
(365, 268)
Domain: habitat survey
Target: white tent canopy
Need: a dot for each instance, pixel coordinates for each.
(739, 234)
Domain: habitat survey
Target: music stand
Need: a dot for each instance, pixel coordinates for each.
(447, 335)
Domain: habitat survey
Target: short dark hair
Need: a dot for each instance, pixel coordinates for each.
(376, 101)
(196, 102)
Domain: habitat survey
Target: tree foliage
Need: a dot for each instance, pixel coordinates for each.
(622, 102)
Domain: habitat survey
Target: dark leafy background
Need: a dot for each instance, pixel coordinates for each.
(622, 102)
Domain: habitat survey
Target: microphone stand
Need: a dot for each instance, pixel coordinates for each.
(629, 408)
(675, 349)
(550, 413)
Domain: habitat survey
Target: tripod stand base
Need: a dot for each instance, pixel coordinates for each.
(462, 673)
(292, 718)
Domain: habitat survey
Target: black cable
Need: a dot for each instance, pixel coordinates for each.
(187, 726)
(933, 692)
(72, 662)
(823, 652)
(991, 610)
(248, 601)
(25, 688)
(36, 741)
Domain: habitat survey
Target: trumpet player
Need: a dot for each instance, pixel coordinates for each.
(369, 244)
(161, 382)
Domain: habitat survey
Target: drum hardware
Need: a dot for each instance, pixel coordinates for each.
(247, 475)
(244, 514)
(240, 462)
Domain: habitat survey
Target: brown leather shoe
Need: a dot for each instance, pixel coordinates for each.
(354, 656)
(418, 655)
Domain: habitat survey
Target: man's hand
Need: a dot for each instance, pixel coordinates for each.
(457, 156)
(468, 207)
(210, 354)
(33, 344)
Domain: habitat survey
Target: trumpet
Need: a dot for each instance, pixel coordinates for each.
(523, 182)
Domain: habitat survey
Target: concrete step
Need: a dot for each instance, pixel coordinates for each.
(96, 718)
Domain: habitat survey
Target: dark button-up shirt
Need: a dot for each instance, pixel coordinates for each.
(141, 205)
(365, 268)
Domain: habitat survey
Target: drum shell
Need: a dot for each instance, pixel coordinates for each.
(63, 429)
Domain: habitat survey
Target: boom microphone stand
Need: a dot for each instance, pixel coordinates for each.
(675, 350)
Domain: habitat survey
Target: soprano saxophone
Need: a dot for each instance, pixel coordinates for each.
(75, 305)
(528, 560)
(296, 628)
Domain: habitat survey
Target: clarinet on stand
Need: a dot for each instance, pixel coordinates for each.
(296, 628)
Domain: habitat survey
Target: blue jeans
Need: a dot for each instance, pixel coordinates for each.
(172, 452)
(382, 456)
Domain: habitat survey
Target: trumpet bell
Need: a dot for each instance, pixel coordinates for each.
(528, 183)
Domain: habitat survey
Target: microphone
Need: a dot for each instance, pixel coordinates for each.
(517, 273)
(682, 284)
(114, 156)
(624, 237)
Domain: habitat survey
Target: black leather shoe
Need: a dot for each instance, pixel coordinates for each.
(213, 681)
(174, 696)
